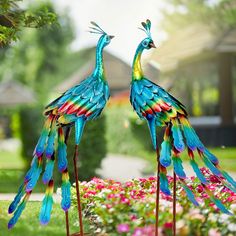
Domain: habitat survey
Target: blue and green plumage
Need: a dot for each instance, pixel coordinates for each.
(75, 107)
(159, 108)
(47, 203)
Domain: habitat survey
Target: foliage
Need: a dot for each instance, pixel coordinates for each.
(92, 149)
(34, 60)
(14, 19)
(219, 14)
(30, 128)
(131, 131)
(128, 208)
(29, 224)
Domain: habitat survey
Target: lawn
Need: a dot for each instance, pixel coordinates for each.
(130, 136)
(226, 156)
(29, 225)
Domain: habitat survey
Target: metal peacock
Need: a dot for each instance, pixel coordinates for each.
(161, 109)
(75, 107)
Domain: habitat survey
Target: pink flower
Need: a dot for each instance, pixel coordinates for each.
(100, 186)
(123, 228)
(214, 232)
(214, 179)
(152, 178)
(168, 225)
(133, 217)
(129, 184)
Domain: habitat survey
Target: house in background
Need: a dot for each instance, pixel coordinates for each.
(12, 94)
(117, 73)
(199, 67)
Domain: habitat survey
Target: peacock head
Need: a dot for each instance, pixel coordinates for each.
(147, 43)
(105, 39)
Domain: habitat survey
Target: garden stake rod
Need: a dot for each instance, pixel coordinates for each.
(157, 191)
(74, 107)
(67, 135)
(160, 109)
(67, 224)
(76, 153)
(174, 204)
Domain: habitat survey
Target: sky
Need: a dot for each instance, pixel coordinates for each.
(120, 18)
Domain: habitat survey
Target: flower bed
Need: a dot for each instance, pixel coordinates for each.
(128, 208)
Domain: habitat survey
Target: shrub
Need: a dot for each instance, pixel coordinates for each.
(92, 149)
(31, 123)
(128, 208)
(126, 134)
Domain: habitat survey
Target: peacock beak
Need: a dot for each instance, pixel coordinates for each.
(152, 45)
(111, 36)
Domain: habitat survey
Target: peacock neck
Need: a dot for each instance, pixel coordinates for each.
(137, 72)
(99, 67)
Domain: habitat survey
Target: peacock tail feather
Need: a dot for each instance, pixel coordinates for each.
(48, 173)
(65, 191)
(47, 203)
(164, 185)
(61, 155)
(19, 210)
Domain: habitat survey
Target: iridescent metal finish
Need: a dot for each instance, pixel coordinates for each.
(159, 108)
(75, 107)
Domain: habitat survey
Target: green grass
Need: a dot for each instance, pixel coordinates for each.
(131, 137)
(29, 225)
(226, 156)
(12, 172)
(11, 160)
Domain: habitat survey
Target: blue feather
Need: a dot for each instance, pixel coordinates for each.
(79, 127)
(66, 200)
(47, 203)
(198, 172)
(165, 156)
(229, 179)
(178, 167)
(47, 175)
(18, 211)
(178, 138)
(190, 139)
(211, 157)
(152, 129)
(50, 144)
(62, 160)
(211, 166)
(17, 199)
(32, 169)
(220, 205)
(164, 185)
(189, 193)
(34, 178)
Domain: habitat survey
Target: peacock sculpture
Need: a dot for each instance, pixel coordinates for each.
(160, 109)
(79, 104)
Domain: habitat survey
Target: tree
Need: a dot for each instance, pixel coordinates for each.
(34, 59)
(13, 19)
(219, 14)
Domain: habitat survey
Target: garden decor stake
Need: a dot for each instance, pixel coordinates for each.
(160, 109)
(75, 107)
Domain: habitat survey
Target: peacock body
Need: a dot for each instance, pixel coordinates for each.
(160, 109)
(75, 107)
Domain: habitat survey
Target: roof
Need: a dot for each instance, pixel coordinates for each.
(192, 42)
(13, 93)
(117, 73)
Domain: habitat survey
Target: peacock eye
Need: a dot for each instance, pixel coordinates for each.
(108, 39)
(145, 43)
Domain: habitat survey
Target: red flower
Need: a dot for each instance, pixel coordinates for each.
(168, 225)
